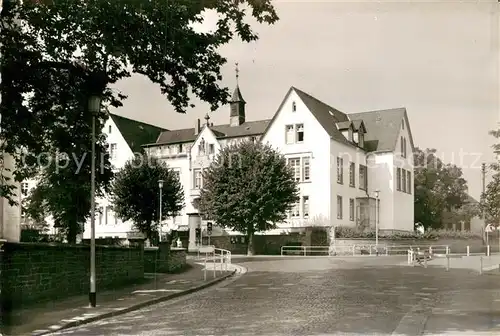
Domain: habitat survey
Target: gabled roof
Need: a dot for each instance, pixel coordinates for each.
(344, 125)
(136, 133)
(382, 127)
(248, 128)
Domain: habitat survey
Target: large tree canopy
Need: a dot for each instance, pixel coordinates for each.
(248, 188)
(153, 38)
(438, 187)
(135, 193)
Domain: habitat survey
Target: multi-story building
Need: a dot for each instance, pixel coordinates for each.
(344, 163)
(124, 137)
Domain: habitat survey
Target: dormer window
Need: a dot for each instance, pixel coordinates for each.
(109, 129)
(294, 107)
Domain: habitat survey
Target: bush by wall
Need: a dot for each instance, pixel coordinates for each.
(351, 232)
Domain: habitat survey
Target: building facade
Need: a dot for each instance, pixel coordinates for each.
(351, 168)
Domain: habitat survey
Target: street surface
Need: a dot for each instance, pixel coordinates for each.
(331, 296)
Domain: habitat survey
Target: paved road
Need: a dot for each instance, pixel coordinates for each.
(324, 296)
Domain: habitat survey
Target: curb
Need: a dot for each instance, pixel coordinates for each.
(136, 306)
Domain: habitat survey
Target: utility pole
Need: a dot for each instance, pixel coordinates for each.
(483, 213)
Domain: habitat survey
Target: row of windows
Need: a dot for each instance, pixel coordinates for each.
(363, 174)
(340, 208)
(403, 180)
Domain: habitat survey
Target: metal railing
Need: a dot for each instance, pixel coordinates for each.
(220, 259)
(431, 249)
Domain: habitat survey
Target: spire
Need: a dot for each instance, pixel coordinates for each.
(207, 118)
(237, 103)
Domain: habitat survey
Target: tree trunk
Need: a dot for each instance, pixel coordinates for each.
(250, 248)
(71, 233)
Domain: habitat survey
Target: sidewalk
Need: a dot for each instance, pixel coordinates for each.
(52, 316)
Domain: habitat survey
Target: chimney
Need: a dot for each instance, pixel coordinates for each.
(197, 128)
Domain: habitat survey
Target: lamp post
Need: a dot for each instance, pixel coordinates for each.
(377, 192)
(94, 108)
(160, 185)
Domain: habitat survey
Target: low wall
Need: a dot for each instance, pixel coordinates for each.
(164, 259)
(456, 245)
(36, 272)
(271, 244)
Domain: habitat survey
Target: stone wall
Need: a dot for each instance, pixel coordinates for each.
(164, 259)
(35, 272)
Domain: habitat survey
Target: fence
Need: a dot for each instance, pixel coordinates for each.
(218, 258)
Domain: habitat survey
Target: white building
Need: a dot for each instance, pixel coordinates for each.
(124, 137)
(340, 160)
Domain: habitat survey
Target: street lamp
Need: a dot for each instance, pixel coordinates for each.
(94, 106)
(377, 192)
(160, 184)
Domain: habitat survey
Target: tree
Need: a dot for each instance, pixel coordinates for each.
(490, 199)
(248, 188)
(135, 193)
(156, 39)
(438, 187)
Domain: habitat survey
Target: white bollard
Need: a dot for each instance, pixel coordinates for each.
(488, 250)
(468, 250)
(447, 262)
(447, 250)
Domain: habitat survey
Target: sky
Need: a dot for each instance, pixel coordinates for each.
(439, 59)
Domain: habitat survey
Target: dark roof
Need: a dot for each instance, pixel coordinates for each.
(237, 97)
(220, 131)
(343, 125)
(136, 133)
(382, 128)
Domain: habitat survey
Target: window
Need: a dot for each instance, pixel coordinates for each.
(109, 129)
(306, 169)
(339, 207)
(294, 107)
(403, 125)
(403, 147)
(295, 164)
(100, 212)
(253, 139)
(299, 129)
(289, 134)
(211, 149)
(352, 176)
(403, 182)
(106, 210)
(408, 181)
(294, 212)
(305, 206)
(398, 179)
(201, 147)
(197, 178)
(112, 151)
(351, 209)
(180, 148)
(340, 170)
(301, 168)
(24, 189)
(363, 177)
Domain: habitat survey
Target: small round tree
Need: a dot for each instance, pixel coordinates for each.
(248, 188)
(135, 193)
